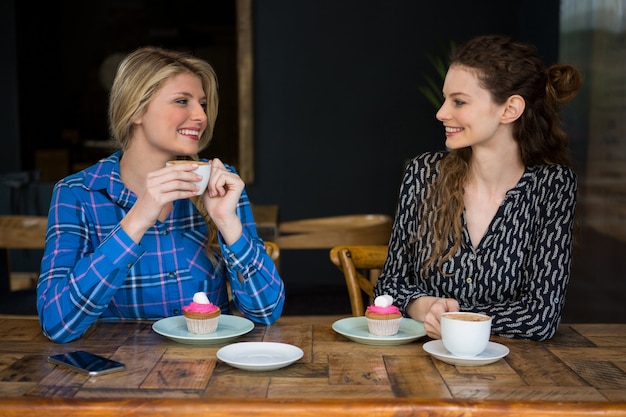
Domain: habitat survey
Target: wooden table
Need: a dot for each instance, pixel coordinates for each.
(582, 371)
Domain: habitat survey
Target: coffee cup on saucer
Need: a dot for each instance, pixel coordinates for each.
(204, 170)
(465, 334)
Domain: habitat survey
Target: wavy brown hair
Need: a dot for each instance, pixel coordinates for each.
(504, 67)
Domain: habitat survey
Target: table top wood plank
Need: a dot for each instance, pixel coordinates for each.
(615, 395)
(26, 368)
(495, 375)
(139, 361)
(500, 367)
(608, 341)
(238, 385)
(183, 352)
(600, 374)
(16, 388)
(296, 334)
(321, 388)
(349, 369)
(568, 337)
(582, 365)
(123, 394)
(8, 359)
(50, 391)
(593, 329)
(180, 374)
(527, 393)
(20, 329)
(595, 354)
(416, 377)
(536, 365)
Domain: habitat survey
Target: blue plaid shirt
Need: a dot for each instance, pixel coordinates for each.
(92, 269)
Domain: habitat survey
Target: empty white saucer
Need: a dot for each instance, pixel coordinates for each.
(493, 353)
(259, 356)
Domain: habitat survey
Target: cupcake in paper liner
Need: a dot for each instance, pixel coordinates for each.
(201, 315)
(383, 318)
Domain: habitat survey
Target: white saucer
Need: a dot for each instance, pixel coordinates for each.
(228, 328)
(259, 356)
(355, 328)
(492, 353)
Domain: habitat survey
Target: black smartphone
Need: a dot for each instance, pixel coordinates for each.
(86, 362)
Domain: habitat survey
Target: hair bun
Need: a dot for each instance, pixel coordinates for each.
(563, 82)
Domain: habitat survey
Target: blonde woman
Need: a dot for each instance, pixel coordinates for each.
(127, 238)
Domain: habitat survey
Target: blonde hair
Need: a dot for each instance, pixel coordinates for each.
(139, 76)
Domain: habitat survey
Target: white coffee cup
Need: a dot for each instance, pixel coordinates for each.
(204, 169)
(465, 334)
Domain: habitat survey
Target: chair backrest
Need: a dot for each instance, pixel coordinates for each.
(361, 265)
(23, 232)
(327, 232)
(272, 250)
(19, 232)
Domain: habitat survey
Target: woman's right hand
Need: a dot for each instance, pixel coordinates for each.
(154, 198)
(429, 310)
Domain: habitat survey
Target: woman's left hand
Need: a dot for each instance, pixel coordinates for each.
(221, 198)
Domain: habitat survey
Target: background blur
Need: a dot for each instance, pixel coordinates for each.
(337, 108)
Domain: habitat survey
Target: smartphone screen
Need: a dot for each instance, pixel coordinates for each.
(86, 362)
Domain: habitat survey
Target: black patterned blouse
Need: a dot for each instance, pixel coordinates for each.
(519, 272)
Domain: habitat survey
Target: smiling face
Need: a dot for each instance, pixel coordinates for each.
(175, 118)
(469, 114)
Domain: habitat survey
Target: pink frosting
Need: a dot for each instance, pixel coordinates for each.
(200, 308)
(384, 310)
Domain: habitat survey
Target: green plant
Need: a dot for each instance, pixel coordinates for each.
(431, 90)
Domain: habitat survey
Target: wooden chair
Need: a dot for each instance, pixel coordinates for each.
(19, 232)
(17, 289)
(327, 232)
(273, 251)
(361, 265)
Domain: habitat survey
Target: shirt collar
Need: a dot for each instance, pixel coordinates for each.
(105, 176)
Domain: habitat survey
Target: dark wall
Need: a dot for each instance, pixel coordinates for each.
(337, 105)
(336, 85)
(338, 109)
(10, 156)
(337, 102)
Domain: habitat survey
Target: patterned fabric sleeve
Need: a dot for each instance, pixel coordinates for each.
(257, 289)
(398, 277)
(77, 280)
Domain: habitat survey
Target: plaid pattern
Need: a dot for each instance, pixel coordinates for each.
(92, 269)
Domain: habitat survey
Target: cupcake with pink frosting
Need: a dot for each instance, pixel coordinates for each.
(383, 318)
(201, 315)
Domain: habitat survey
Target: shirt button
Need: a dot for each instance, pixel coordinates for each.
(166, 231)
(129, 266)
(176, 311)
(469, 280)
(171, 274)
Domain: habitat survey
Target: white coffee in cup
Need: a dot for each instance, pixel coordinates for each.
(204, 170)
(465, 334)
